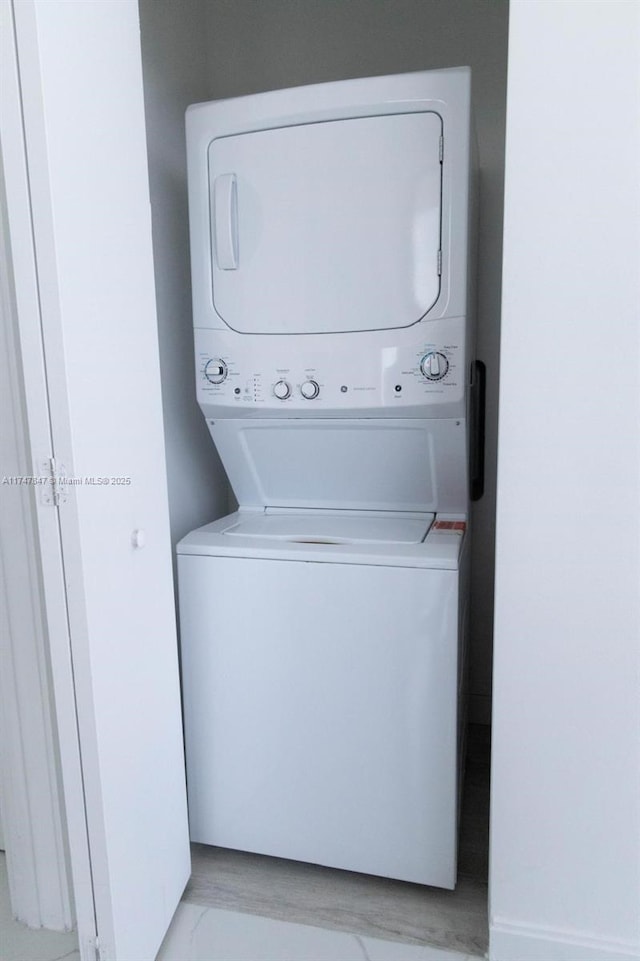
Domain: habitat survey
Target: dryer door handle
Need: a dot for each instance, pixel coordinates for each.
(224, 219)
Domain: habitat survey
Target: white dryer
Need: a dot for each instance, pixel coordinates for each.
(323, 623)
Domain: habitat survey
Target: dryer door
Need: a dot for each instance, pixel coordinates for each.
(327, 227)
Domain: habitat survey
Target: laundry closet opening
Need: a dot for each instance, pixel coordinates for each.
(195, 51)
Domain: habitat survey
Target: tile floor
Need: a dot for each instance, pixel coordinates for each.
(210, 934)
(354, 904)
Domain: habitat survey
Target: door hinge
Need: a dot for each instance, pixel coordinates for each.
(94, 948)
(439, 263)
(53, 482)
(441, 149)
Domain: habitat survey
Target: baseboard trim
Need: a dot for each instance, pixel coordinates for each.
(511, 942)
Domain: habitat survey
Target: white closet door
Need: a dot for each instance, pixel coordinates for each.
(81, 87)
(326, 227)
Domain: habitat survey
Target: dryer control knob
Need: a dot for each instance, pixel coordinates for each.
(434, 365)
(310, 389)
(215, 371)
(282, 390)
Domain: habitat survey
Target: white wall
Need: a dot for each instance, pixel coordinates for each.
(565, 857)
(174, 59)
(280, 43)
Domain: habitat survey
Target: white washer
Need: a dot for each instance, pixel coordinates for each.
(321, 677)
(322, 625)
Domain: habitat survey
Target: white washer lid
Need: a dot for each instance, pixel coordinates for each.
(332, 528)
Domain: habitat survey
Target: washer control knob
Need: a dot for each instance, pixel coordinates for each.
(310, 389)
(434, 365)
(215, 371)
(282, 390)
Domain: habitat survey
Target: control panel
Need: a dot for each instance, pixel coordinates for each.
(383, 372)
(434, 365)
(215, 370)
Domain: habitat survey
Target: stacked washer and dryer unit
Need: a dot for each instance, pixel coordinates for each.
(323, 622)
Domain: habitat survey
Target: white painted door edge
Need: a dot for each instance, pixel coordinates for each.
(30, 798)
(35, 833)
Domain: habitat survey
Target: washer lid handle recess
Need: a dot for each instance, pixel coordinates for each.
(224, 219)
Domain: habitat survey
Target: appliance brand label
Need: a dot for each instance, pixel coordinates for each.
(460, 526)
